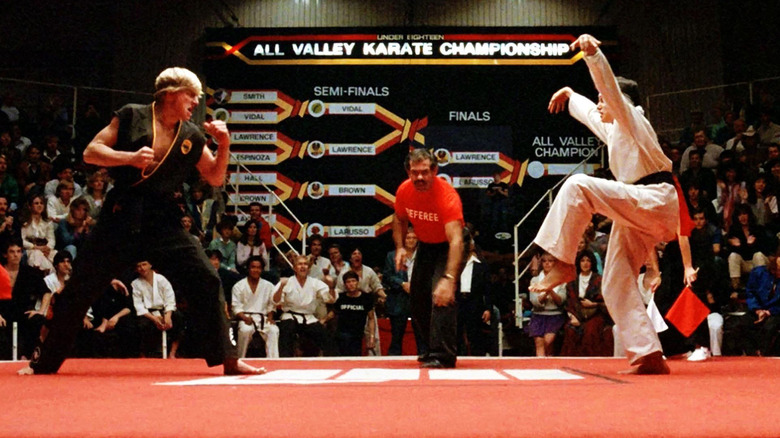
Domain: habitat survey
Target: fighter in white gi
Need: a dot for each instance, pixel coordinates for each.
(642, 204)
(254, 307)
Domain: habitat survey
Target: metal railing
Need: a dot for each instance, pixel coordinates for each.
(240, 166)
(519, 254)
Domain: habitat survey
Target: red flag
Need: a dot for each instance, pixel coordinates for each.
(687, 312)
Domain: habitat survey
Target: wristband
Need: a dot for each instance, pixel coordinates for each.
(449, 276)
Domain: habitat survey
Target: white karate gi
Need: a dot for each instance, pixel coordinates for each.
(642, 214)
(258, 304)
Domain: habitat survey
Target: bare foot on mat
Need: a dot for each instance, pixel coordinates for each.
(236, 367)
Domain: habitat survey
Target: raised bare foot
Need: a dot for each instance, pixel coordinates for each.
(26, 371)
(559, 274)
(236, 367)
(653, 363)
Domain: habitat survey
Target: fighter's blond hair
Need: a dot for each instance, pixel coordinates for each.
(175, 79)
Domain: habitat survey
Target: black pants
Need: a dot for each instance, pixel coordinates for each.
(111, 249)
(350, 344)
(288, 329)
(151, 337)
(437, 325)
(751, 337)
(470, 324)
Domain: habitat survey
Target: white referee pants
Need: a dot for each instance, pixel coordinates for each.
(642, 215)
(270, 333)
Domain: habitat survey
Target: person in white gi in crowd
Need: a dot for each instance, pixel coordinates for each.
(254, 308)
(299, 297)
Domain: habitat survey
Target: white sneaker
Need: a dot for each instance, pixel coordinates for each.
(700, 354)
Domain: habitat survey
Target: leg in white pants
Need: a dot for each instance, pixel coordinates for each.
(642, 216)
(715, 324)
(652, 209)
(626, 253)
(245, 332)
(617, 350)
(269, 332)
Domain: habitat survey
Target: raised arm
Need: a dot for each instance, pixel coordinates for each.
(213, 167)
(605, 81)
(100, 151)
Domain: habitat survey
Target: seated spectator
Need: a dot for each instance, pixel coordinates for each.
(475, 304)
(548, 316)
(201, 207)
(186, 223)
(254, 309)
(38, 235)
(33, 174)
(64, 171)
(726, 129)
(12, 155)
(55, 282)
(298, 297)
(369, 283)
(95, 194)
(705, 243)
(320, 265)
(337, 263)
(51, 148)
(711, 152)
(28, 290)
(368, 279)
(732, 191)
(73, 231)
(768, 131)
(8, 185)
(697, 201)
(588, 331)
(746, 245)
(116, 333)
(250, 245)
(674, 153)
(225, 245)
(759, 327)
(9, 226)
(354, 310)
(58, 206)
(227, 278)
(772, 155)
(256, 213)
(740, 131)
(155, 305)
(763, 202)
(697, 124)
(704, 178)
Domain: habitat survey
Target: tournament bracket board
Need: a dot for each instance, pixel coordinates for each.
(325, 117)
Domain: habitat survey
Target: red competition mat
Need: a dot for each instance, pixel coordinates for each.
(393, 398)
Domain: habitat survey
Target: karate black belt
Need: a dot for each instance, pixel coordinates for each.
(262, 319)
(655, 178)
(294, 314)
